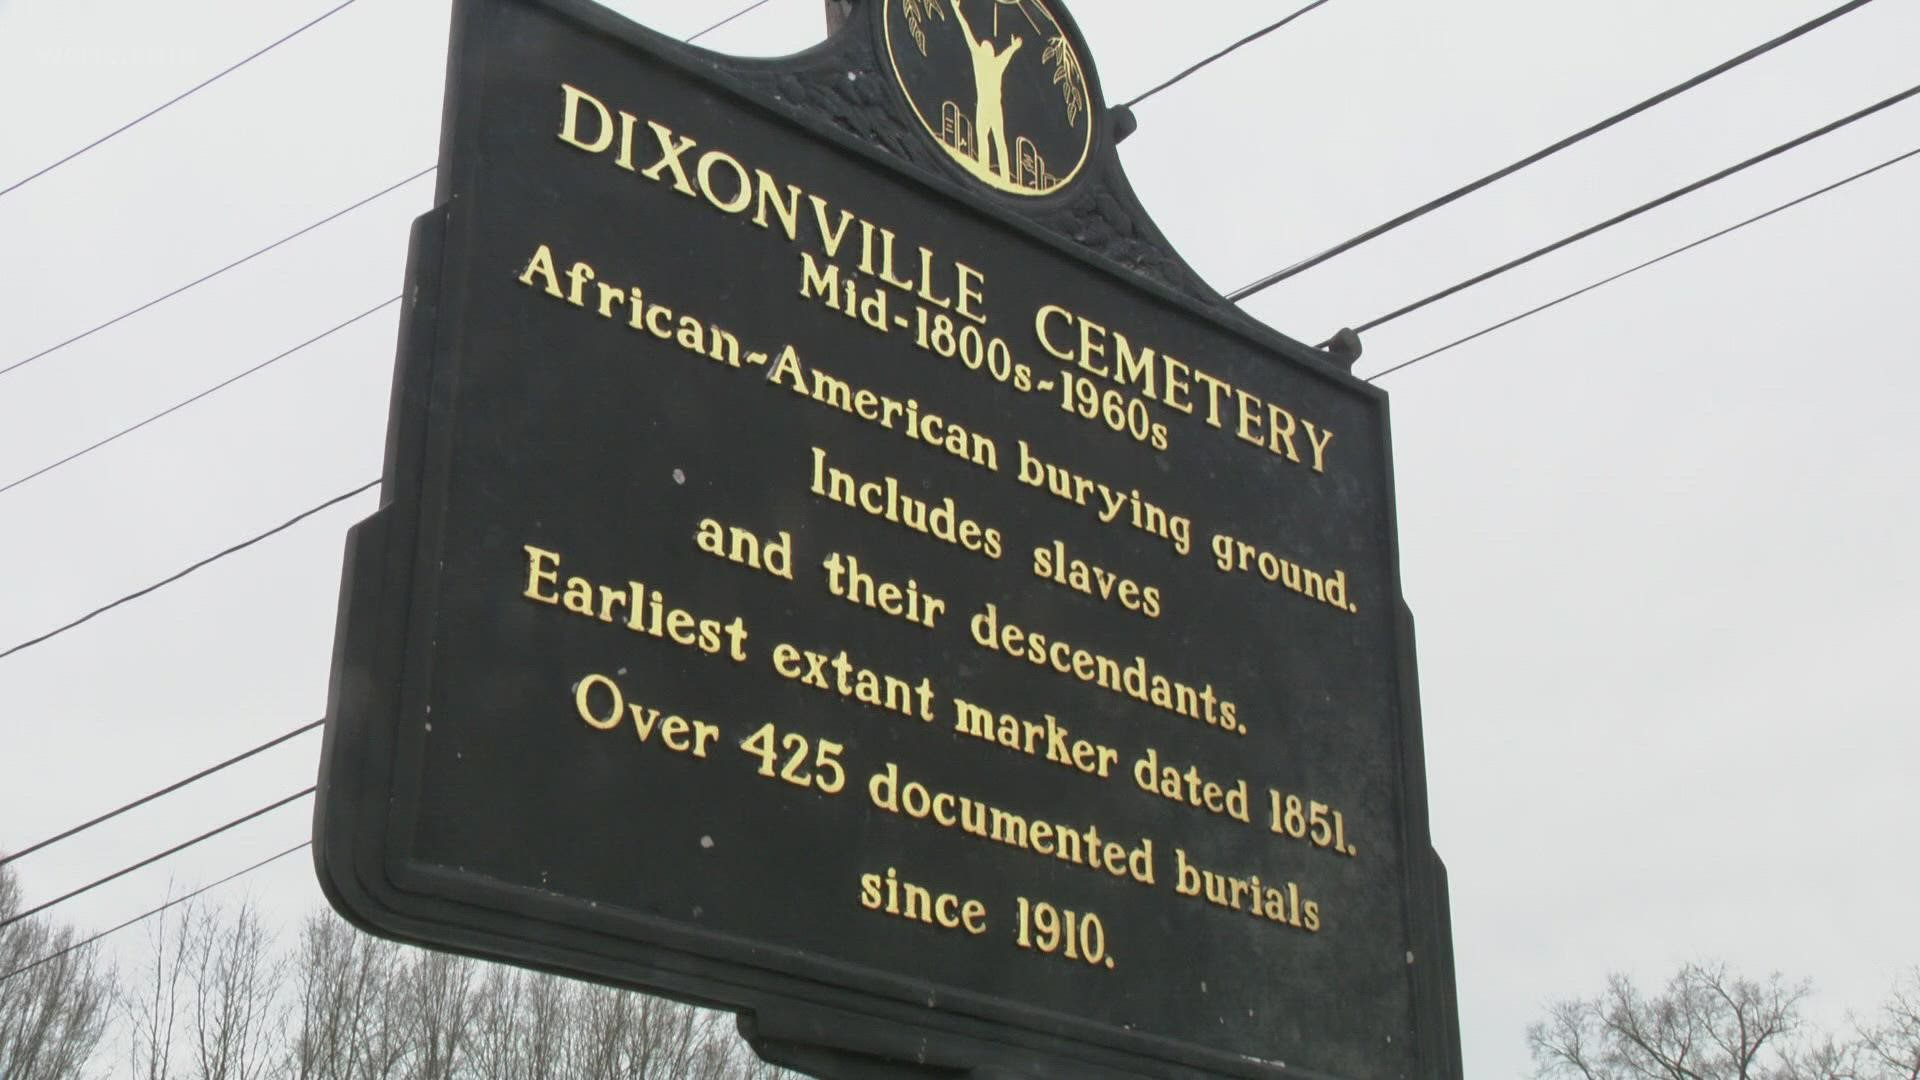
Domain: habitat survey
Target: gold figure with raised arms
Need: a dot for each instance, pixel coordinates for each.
(989, 114)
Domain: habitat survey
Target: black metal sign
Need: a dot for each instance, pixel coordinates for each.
(837, 564)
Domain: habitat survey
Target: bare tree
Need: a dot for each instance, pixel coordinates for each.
(1826, 1059)
(217, 999)
(205, 1003)
(541, 1032)
(726, 1056)
(152, 1002)
(347, 1024)
(601, 1030)
(530, 1026)
(55, 998)
(1707, 1024)
(494, 1050)
(672, 1035)
(236, 978)
(326, 1000)
(1570, 1041)
(1891, 1045)
(438, 987)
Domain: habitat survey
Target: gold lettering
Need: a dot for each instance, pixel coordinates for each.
(970, 296)
(1177, 386)
(1281, 426)
(1319, 446)
(542, 265)
(817, 282)
(1040, 331)
(788, 210)
(890, 894)
(1093, 342)
(1135, 369)
(1135, 679)
(541, 570)
(1282, 905)
(830, 237)
(1215, 389)
(743, 185)
(672, 148)
(570, 126)
(847, 581)
(892, 793)
(627, 122)
(1249, 418)
(583, 692)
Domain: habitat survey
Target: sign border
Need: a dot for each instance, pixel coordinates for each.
(816, 1001)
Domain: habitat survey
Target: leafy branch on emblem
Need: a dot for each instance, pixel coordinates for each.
(1066, 75)
(918, 12)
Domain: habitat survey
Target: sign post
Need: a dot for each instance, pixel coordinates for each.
(838, 564)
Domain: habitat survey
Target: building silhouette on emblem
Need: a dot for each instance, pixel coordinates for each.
(1030, 169)
(956, 128)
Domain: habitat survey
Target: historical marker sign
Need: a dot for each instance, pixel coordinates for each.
(839, 565)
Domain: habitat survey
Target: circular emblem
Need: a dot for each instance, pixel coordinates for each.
(998, 85)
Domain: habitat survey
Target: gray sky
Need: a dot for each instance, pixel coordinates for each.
(1657, 541)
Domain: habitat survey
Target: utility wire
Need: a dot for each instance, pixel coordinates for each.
(1670, 196)
(209, 560)
(250, 58)
(182, 96)
(1243, 42)
(1502, 324)
(151, 859)
(749, 9)
(219, 386)
(249, 257)
(1461, 192)
(176, 849)
(168, 790)
(204, 278)
(317, 338)
(144, 916)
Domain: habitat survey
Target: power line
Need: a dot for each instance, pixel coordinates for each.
(204, 773)
(151, 859)
(1540, 155)
(1243, 42)
(204, 278)
(1670, 196)
(743, 11)
(1502, 324)
(219, 386)
(168, 790)
(243, 62)
(182, 96)
(208, 561)
(144, 916)
(317, 338)
(250, 256)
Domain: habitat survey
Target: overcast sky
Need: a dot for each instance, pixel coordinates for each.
(1658, 541)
